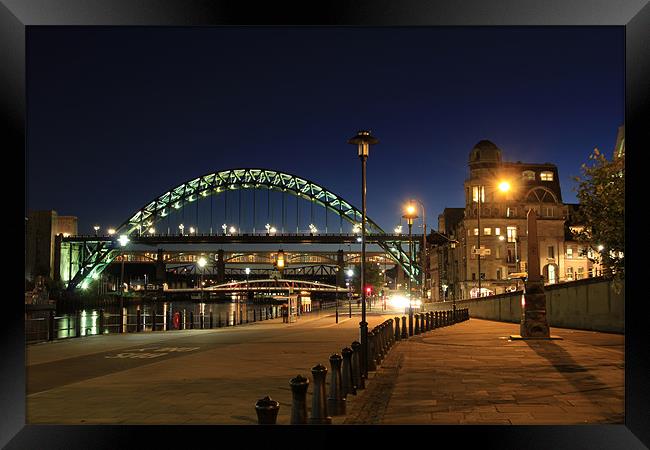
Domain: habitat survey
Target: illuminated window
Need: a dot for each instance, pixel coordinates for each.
(569, 254)
(546, 176)
(497, 252)
(528, 175)
(475, 190)
(569, 273)
(497, 231)
(475, 231)
(487, 231)
(580, 273)
(512, 234)
(511, 212)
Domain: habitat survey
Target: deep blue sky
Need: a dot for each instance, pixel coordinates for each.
(117, 116)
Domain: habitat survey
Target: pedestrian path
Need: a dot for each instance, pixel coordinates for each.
(471, 373)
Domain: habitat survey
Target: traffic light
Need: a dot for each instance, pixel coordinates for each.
(368, 290)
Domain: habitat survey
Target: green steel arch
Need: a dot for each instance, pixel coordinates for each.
(215, 183)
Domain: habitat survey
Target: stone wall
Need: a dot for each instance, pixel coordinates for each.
(590, 304)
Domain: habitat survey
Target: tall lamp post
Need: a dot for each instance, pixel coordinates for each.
(350, 274)
(363, 140)
(123, 240)
(410, 216)
(202, 262)
(425, 261)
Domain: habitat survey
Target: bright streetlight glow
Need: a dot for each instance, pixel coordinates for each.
(247, 270)
(356, 228)
(152, 230)
(350, 273)
(502, 238)
(111, 231)
(192, 230)
(202, 262)
(601, 248)
(123, 240)
(398, 229)
(233, 230)
(96, 228)
(504, 186)
(273, 230)
(181, 226)
(410, 210)
(312, 228)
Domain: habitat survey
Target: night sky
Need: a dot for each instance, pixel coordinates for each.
(117, 116)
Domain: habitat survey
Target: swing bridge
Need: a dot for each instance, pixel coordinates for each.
(239, 219)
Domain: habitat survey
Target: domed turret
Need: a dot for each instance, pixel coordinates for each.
(485, 151)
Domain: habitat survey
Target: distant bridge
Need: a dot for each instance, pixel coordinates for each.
(273, 285)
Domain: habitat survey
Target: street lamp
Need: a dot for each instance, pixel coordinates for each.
(363, 140)
(247, 270)
(202, 262)
(180, 227)
(425, 262)
(350, 274)
(123, 240)
(96, 228)
(410, 216)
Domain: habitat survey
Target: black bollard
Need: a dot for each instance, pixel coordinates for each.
(397, 332)
(191, 320)
(211, 322)
(319, 405)
(336, 398)
(254, 315)
(357, 380)
(372, 366)
(347, 381)
(379, 345)
(427, 319)
(390, 333)
(299, 387)
(267, 411)
(201, 321)
(417, 324)
(405, 334)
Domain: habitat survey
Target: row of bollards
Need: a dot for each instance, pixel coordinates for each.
(345, 376)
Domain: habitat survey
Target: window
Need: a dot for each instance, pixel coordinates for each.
(498, 274)
(548, 211)
(551, 251)
(569, 254)
(511, 212)
(473, 276)
(510, 258)
(475, 231)
(580, 273)
(569, 273)
(475, 191)
(487, 231)
(497, 252)
(497, 231)
(546, 176)
(512, 234)
(528, 175)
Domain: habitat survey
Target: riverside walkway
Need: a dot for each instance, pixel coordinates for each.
(467, 373)
(471, 373)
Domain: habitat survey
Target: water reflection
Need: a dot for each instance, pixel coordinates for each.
(149, 315)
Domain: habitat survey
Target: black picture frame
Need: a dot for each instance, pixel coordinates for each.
(634, 15)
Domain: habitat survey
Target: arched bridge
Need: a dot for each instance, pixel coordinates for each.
(82, 259)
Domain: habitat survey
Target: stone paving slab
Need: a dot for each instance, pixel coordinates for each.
(471, 373)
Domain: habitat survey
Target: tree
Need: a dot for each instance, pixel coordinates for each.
(601, 193)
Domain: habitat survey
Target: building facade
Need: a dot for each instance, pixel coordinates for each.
(492, 226)
(41, 228)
